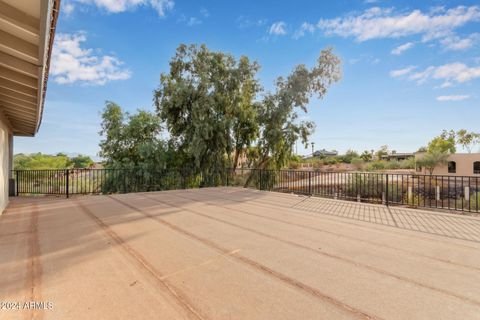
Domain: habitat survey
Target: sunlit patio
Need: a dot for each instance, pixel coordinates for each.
(231, 253)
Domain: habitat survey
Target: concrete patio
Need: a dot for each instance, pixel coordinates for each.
(231, 253)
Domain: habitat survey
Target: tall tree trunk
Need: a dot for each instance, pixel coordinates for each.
(235, 159)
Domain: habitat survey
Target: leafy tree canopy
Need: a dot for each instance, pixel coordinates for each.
(468, 140)
(444, 143)
(215, 110)
(131, 140)
(207, 103)
(383, 151)
(81, 161)
(366, 156)
(279, 126)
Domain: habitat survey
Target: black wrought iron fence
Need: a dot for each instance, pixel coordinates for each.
(433, 191)
(104, 181)
(461, 193)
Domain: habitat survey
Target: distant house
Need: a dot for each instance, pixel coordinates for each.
(398, 156)
(458, 164)
(325, 153)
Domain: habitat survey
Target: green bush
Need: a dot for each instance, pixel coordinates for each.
(331, 160)
(375, 166)
(348, 156)
(408, 163)
(392, 165)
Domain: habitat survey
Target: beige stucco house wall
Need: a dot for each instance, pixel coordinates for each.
(5, 163)
(464, 164)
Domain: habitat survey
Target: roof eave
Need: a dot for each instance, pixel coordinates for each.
(48, 25)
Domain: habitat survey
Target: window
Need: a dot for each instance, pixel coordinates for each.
(476, 167)
(452, 167)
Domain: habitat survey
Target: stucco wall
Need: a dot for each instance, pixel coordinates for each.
(4, 164)
(464, 162)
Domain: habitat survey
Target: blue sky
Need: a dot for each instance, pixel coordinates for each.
(409, 69)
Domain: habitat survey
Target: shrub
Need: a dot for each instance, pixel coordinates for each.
(408, 163)
(318, 164)
(392, 165)
(376, 165)
(358, 163)
(348, 156)
(331, 160)
(293, 165)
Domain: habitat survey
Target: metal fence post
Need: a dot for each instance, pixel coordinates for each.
(16, 182)
(183, 173)
(261, 179)
(67, 191)
(310, 182)
(386, 191)
(124, 181)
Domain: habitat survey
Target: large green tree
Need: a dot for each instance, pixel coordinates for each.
(131, 140)
(207, 102)
(215, 110)
(444, 143)
(279, 112)
(81, 161)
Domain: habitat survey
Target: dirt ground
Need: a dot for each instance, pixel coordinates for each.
(231, 253)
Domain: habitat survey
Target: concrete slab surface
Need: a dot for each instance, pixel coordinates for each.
(232, 253)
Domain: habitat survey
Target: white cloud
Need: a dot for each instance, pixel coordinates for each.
(376, 23)
(454, 42)
(451, 73)
(278, 28)
(404, 47)
(354, 60)
(453, 98)
(204, 12)
(192, 21)
(446, 84)
(116, 6)
(71, 63)
(68, 8)
(402, 72)
(305, 27)
(246, 22)
(189, 21)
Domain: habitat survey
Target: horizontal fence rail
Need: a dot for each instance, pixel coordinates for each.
(430, 191)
